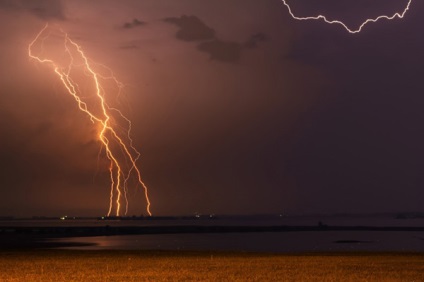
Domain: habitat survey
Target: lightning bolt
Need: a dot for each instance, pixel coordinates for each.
(114, 137)
(337, 22)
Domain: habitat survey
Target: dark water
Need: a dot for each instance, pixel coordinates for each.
(271, 242)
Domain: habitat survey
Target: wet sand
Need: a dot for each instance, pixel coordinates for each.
(68, 265)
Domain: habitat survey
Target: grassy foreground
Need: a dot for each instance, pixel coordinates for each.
(64, 265)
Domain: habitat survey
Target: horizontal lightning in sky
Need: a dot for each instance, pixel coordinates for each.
(359, 29)
(76, 71)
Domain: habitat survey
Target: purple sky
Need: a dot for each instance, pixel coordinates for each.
(236, 107)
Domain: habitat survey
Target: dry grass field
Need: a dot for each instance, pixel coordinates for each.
(64, 265)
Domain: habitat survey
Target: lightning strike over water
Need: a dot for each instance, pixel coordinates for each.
(350, 30)
(89, 84)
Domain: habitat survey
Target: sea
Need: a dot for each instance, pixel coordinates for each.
(258, 242)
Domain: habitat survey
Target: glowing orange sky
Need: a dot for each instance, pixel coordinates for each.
(236, 107)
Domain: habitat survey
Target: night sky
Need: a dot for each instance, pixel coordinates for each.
(236, 107)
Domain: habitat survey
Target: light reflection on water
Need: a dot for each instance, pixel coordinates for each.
(270, 242)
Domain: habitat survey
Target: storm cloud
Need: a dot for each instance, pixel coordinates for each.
(191, 28)
(194, 29)
(221, 50)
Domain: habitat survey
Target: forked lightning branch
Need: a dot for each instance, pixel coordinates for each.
(90, 89)
(74, 69)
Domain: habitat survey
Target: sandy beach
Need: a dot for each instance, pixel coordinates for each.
(67, 265)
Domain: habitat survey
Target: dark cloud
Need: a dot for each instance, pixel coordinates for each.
(133, 24)
(222, 51)
(228, 51)
(191, 28)
(253, 41)
(44, 9)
